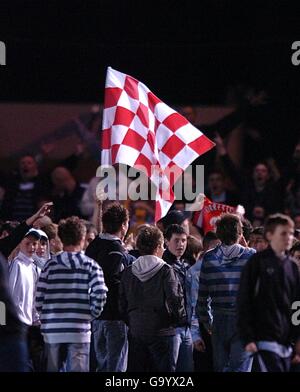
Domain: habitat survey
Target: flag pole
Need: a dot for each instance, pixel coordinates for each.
(99, 200)
(99, 215)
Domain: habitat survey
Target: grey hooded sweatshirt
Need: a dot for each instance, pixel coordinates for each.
(151, 298)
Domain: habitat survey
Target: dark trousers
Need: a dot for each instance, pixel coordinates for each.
(36, 349)
(272, 362)
(13, 353)
(151, 353)
(203, 361)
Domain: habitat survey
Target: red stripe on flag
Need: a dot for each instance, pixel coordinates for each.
(112, 95)
(175, 121)
(173, 146)
(134, 140)
(131, 87)
(123, 116)
(201, 145)
(158, 211)
(153, 101)
(146, 164)
(143, 114)
(151, 140)
(114, 152)
(106, 138)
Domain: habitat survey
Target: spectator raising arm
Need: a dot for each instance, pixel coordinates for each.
(8, 244)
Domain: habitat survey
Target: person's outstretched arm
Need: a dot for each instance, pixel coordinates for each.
(8, 244)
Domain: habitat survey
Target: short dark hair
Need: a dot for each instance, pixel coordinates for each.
(247, 228)
(275, 220)
(148, 239)
(174, 229)
(295, 248)
(71, 230)
(174, 217)
(258, 231)
(208, 238)
(229, 228)
(114, 217)
(194, 247)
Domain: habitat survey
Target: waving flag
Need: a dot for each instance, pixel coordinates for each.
(141, 131)
(211, 211)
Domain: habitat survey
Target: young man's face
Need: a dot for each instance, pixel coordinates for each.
(282, 238)
(261, 174)
(29, 245)
(177, 244)
(258, 242)
(41, 248)
(90, 236)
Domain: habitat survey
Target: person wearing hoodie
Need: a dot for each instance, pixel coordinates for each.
(219, 282)
(42, 254)
(151, 303)
(109, 330)
(13, 333)
(10, 242)
(71, 292)
(35, 338)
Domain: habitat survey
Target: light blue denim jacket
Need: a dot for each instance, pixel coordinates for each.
(192, 289)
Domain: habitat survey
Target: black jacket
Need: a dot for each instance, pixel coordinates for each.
(8, 244)
(153, 307)
(180, 268)
(110, 254)
(268, 288)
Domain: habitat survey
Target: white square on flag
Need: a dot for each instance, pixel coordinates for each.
(139, 129)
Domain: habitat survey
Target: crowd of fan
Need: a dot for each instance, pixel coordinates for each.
(159, 302)
(146, 297)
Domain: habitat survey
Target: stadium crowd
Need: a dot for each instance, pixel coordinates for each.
(138, 296)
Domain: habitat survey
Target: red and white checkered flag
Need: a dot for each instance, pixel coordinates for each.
(141, 131)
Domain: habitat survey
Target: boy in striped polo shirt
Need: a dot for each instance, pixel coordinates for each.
(70, 293)
(219, 281)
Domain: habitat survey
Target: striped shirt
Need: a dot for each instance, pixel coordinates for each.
(219, 280)
(71, 292)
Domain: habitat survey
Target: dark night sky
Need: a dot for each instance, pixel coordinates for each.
(185, 51)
